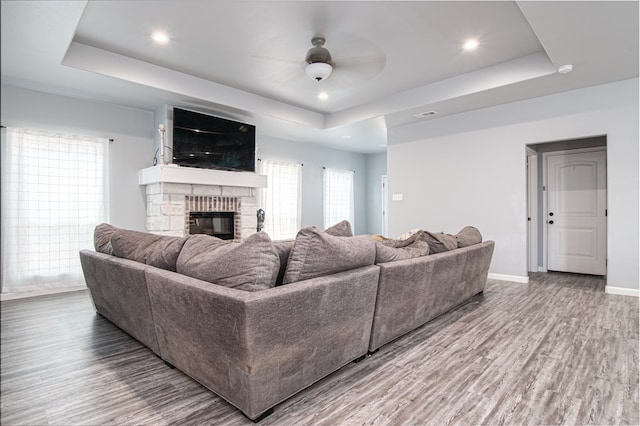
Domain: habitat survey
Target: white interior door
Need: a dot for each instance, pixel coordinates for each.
(576, 212)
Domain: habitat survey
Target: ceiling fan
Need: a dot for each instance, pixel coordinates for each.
(318, 59)
(345, 68)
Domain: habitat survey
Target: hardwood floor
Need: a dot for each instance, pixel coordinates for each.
(555, 351)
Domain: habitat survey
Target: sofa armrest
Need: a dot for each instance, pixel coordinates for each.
(118, 290)
(256, 349)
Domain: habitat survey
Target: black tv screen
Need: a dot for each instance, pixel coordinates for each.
(208, 142)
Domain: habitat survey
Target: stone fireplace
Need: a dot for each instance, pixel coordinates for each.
(174, 193)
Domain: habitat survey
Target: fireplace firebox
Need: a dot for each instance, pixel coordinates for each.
(217, 224)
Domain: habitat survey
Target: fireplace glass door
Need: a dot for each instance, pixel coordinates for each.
(217, 224)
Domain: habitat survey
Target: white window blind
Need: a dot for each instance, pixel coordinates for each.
(54, 194)
(338, 196)
(281, 199)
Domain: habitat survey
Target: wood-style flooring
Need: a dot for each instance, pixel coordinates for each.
(555, 351)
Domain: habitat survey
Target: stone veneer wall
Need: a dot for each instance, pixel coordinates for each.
(168, 206)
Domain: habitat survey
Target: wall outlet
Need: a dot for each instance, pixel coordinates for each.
(396, 197)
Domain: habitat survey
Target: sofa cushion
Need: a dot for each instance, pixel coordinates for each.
(389, 250)
(250, 265)
(468, 236)
(438, 241)
(340, 229)
(316, 253)
(156, 250)
(102, 238)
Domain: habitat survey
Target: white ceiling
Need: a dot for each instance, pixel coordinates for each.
(244, 59)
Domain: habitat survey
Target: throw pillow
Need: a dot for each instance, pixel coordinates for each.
(251, 264)
(102, 238)
(468, 236)
(340, 229)
(155, 250)
(409, 234)
(316, 253)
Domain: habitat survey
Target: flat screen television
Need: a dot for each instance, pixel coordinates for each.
(208, 142)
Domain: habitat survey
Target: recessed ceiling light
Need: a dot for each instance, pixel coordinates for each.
(471, 44)
(160, 37)
(565, 69)
(323, 96)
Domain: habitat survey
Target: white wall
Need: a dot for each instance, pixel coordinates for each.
(469, 169)
(314, 158)
(131, 130)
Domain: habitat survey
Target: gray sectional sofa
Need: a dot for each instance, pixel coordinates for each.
(258, 321)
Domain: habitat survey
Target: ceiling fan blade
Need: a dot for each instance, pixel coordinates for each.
(360, 60)
(354, 70)
(280, 60)
(295, 80)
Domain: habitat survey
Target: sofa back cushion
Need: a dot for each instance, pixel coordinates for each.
(102, 238)
(340, 229)
(316, 253)
(155, 250)
(439, 242)
(250, 265)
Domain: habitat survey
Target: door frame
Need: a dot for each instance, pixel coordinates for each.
(384, 207)
(545, 201)
(532, 210)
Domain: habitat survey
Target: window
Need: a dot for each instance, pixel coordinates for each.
(338, 196)
(281, 199)
(54, 194)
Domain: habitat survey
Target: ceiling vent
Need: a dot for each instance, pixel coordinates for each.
(425, 114)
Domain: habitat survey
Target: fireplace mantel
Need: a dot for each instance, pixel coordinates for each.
(194, 176)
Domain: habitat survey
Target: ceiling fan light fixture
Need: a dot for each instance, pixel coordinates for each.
(318, 59)
(318, 71)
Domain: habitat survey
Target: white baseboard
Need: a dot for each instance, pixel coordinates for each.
(512, 278)
(622, 291)
(43, 292)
